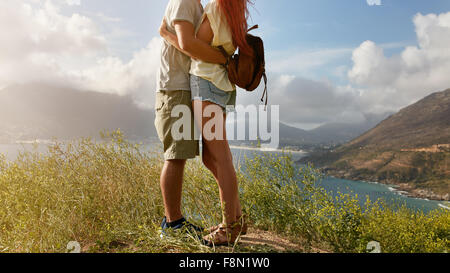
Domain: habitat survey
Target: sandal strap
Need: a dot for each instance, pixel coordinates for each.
(225, 234)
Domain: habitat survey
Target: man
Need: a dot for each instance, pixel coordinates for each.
(173, 88)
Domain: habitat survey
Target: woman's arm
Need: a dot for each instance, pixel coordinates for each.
(195, 47)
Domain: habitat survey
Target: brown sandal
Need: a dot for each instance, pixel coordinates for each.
(243, 230)
(223, 235)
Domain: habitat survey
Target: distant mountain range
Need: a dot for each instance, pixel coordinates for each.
(330, 133)
(40, 111)
(410, 149)
(37, 111)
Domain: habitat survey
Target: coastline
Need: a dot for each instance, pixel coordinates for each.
(404, 189)
(267, 149)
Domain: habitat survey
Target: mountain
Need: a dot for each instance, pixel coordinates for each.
(339, 133)
(410, 149)
(329, 133)
(39, 111)
(294, 136)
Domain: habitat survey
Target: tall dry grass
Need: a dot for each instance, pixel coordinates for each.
(106, 196)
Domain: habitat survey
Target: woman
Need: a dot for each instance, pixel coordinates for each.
(224, 24)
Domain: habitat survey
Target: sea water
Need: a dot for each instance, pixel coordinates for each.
(362, 189)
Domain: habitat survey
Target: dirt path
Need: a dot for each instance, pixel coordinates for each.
(256, 241)
(265, 241)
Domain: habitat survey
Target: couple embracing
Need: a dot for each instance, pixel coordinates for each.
(193, 73)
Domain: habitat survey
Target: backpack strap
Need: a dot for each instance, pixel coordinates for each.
(225, 54)
(252, 28)
(265, 93)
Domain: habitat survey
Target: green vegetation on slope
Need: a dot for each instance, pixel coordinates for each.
(104, 194)
(410, 149)
(422, 174)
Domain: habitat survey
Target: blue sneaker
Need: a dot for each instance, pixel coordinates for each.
(180, 225)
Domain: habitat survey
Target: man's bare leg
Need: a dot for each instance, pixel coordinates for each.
(171, 187)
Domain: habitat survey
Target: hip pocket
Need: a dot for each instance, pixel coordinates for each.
(159, 102)
(217, 91)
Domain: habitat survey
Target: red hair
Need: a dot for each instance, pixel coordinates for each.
(236, 12)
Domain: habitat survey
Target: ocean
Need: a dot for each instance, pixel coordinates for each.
(362, 189)
(374, 190)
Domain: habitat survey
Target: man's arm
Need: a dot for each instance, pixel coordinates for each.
(171, 38)
(185, 41)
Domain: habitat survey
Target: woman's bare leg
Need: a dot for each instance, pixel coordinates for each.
(218, 159)
(208, 161)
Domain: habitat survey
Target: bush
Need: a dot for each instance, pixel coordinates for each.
(289, 202)
(106, 196)
(99, 194)
(404, 231)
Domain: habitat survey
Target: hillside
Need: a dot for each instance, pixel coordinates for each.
(329, 134)
(410, 149)
(339, 133)
(41, 111)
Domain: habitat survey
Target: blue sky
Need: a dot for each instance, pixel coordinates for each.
(292, 22)
(287, 24)
(332, 23)
(327, 60)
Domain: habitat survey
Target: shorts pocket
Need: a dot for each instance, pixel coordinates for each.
(195, 82)
(159, 102)
(159, 106)
(218, 92)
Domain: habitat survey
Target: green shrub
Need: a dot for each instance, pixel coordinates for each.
(281, 199)
(404, 231)
(106, 196)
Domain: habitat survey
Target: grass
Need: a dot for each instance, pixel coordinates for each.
(106, 196)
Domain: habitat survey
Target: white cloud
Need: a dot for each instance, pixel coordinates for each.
(35, 37)
(40, 44)
(374, 2)
(73, 2)
(378, 83)
(308, 102)
(392, 82)
(136, 77)
(312, 101)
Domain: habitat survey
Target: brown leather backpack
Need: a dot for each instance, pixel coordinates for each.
(246, 71)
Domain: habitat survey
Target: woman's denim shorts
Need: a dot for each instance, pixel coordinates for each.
(205, 90)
